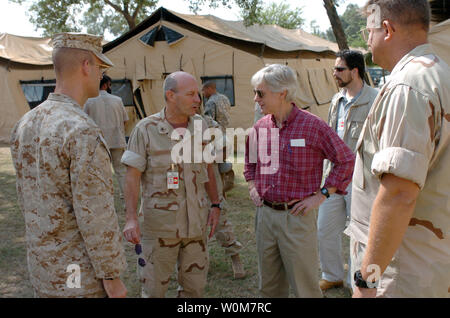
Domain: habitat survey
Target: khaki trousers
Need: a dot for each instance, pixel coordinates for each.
(162, 254)
(287, 253)
(119, 168)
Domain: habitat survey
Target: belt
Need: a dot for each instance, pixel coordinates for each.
(281, 206)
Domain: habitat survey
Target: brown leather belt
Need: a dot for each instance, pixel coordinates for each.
(281, 206)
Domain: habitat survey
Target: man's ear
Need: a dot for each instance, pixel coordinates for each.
(170, 95)
(389, 30)
(85, 69)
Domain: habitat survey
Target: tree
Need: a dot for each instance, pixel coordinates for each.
(336, 24)
(116, 16)
(352, 22)
(280, 15)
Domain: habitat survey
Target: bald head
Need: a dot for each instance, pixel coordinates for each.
(175, 79)
(68, 60)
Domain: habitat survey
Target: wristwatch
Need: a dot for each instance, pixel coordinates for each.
(360, 282)
(217, 205)
(324, 191)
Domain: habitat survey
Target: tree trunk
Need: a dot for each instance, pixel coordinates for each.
(336, 24)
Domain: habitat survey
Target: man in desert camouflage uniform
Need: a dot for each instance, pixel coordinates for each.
(64, 182)
(224, 230)
(174, 194)
(400, 225)
(217, 105)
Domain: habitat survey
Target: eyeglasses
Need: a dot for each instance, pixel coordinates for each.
(366, 32)
(340, 68)
(259, 93)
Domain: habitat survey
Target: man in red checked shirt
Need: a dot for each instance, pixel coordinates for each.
(285, 187)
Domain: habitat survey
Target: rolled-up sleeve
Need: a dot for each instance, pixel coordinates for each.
(135, 156)
(406, 135)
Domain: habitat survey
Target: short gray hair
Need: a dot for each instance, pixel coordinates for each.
(278, 78)
(170, 84)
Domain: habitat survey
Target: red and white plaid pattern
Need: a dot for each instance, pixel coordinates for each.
(299, 172)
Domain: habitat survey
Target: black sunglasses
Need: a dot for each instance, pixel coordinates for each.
(340, 68)
(259, 93)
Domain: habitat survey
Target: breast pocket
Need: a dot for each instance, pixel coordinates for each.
(355, 129)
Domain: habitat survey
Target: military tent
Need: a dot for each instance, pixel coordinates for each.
(225, 51)
(26, 76)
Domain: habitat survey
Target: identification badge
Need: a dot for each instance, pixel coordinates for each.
(297, 142)
(341, 125)
(172, 179)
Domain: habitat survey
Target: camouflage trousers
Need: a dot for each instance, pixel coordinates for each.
(119, 169)
(100, 294)
(162, 254)
(225, 236)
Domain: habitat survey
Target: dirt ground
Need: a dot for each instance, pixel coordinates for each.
(14, 281)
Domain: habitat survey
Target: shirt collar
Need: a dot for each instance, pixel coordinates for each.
(62, 98)
(417, 51)
(290, 118)
(164, 127)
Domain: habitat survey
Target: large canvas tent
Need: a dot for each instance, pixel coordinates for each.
(206, 46)
(26, 72)
(225, 51)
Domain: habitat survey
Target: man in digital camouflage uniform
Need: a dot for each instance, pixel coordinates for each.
(400, 227)
(224, 230)
(217, 105)
(64, 183)
(175, 193)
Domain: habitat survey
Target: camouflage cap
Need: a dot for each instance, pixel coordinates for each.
(81, 41)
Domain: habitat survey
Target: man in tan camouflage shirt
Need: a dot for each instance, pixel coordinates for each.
(174, 200)
(109, 114)
(64, 182)
(400, 226)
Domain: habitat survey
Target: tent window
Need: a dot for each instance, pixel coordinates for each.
(224, 85)
(122, 88)
(161, 33)
(37, 92)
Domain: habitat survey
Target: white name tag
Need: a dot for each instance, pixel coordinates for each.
(172, 180)
(297, 142)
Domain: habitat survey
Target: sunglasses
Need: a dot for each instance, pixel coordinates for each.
(259, 93)
(138, 250)
(340, 68)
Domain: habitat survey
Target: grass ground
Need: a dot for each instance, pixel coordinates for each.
(14, 280)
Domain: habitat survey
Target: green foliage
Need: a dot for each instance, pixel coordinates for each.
(352, 22)
(97, 16)
(280, 15)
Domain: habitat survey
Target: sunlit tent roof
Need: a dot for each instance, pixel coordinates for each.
(260, 39)
(27, 50)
